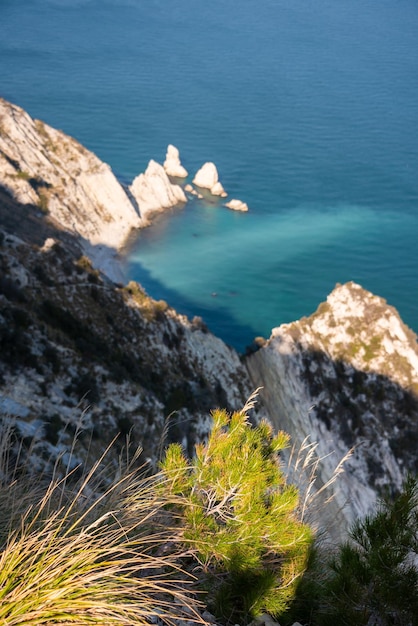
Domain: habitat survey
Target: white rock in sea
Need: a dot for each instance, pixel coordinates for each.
(237, 205)
(153, 190)
(190, 189)
(207, 178)
(172, 164)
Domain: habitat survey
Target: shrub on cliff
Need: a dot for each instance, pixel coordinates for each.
(373, 579)
(240, 517)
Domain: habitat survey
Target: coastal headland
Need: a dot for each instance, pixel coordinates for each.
(81, 349)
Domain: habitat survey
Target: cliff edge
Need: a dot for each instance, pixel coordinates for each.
(347, 378)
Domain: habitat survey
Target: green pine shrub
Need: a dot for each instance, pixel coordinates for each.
(240, 517)
(372, 578)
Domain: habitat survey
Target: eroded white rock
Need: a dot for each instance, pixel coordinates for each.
(207, 178)
(190, 189)
(42, 166)
(172, 164)
(153, 190)
(237, 205)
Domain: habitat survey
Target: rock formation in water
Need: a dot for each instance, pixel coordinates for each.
(78, 352)
(346, 377)
(44, 168)
(237, 205)
(172, 164)
(207, 178)
(153, 190)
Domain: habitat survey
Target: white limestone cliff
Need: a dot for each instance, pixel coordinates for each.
(153, 190)
(44, 167)
(346, 377)
(207, 177)
(237, 205)
(172, 164)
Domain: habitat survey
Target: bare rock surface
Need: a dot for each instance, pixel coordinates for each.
(79, 352)
(207, 177)
(153, 190)
(237, 205)
(346, 377)
(43, 167)
(172, 163)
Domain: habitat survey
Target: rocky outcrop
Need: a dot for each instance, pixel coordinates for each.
(172, 164)
(347, 378)
(207, 178)
(43, 167)
(78, 354)
(153, 190)
(48, 170)
(237, 205)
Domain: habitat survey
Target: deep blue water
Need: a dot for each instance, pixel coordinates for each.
(308, 108)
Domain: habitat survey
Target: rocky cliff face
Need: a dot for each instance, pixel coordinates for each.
(80, 354)
(347, 377)
(46, 169)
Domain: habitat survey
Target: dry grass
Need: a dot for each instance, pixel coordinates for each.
(70, 557)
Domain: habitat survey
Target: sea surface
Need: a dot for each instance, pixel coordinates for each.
(309, 108)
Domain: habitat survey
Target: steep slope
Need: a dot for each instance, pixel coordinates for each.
(347, 377)
(79, 353)
(44, 167)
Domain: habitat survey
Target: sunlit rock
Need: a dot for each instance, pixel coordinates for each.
(237, 205)
(153, 190)
(346, 378)
(43, 167)
(172, 164)
(207, 178)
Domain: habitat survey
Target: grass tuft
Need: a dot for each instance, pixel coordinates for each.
(72, 557)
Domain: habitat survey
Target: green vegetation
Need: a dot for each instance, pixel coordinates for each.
(43, 201)
(371, 579)
(240, 517)
(23, 175)
(151, 309)
(224, 527)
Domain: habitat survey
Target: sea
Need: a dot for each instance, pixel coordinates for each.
(308, 108)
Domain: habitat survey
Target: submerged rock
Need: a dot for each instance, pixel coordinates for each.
(172, 164)
(346, 378)
(153, 190)
(207, 178)
(237, 205)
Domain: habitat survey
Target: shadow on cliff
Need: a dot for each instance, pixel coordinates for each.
(27, 222)
(358, 405)
(365, 410)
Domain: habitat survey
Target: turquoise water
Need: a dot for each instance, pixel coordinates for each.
(309, 109)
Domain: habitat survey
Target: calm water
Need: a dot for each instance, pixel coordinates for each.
(309, 109)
